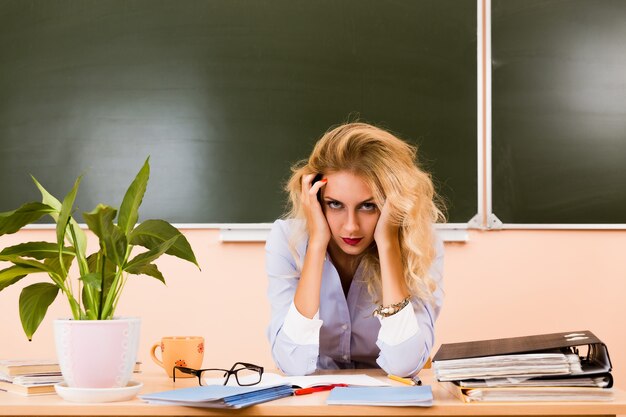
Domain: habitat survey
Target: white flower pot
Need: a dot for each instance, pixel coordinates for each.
(97, 353)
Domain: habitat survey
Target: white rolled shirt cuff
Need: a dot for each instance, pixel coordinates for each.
(302, 330)
(399, 327)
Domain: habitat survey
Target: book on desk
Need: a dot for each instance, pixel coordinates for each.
(219, 396)
(565, 366)
(407, 396)
(15, 367)
(44, 385)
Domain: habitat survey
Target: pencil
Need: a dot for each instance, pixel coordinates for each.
(407, 381)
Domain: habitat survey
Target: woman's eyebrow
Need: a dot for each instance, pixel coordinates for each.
(369, 200)
(329, 198)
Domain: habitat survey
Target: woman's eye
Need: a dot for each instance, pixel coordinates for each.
(368, 206)
(333, 204)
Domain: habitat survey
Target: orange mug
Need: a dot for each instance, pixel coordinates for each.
(185, 351)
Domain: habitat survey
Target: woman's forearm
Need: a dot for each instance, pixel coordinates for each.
(307, 297)
(394, 288)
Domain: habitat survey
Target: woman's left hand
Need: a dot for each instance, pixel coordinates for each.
(386, 231)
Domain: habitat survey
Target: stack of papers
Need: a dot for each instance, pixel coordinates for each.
(538, 394)
(218, 396)
(516, 389)
(597, 382)
(511, 366)
(420, 396)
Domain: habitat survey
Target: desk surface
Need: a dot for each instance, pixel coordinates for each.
(308, 405)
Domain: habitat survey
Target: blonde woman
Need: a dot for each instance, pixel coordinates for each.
(355, 269)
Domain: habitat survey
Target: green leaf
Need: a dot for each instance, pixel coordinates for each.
(25, 262)
(149, 256)
(37, 250)
(92, 279)
(152, 233)
(34, 302)
(54, 265)
(129, 210)
(149, 269)
(13, 274)
(100, 221)
(66, 212)
(12, 221)
(49, 199)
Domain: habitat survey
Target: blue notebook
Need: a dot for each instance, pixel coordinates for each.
(219, 396)
(421, 396)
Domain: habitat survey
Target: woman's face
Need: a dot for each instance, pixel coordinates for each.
(348, 204)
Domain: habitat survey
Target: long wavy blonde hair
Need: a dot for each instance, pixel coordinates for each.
(389, 166)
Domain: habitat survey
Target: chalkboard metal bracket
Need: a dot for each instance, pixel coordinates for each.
(493, 222)
(476, 222)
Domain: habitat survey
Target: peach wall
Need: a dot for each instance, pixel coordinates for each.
(499, 284)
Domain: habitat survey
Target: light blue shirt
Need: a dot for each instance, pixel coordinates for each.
(344, 334)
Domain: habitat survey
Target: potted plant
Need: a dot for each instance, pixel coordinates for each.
(95, 348)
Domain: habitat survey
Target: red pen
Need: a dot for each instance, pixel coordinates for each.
(310, 390)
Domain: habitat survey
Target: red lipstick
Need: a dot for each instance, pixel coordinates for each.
(352, 242)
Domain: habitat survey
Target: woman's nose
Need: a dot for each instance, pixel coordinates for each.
(352, 223)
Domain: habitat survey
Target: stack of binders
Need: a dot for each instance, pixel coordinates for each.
(569, 366)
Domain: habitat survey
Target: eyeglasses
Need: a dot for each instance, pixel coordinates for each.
(246, 374)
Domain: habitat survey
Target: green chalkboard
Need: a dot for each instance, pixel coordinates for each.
(225, 96)
(559, 120)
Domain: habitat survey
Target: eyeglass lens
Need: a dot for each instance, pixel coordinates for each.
(242, 376)
(213, 377)
(247, 376)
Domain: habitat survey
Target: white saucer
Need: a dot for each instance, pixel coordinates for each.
(98, 395)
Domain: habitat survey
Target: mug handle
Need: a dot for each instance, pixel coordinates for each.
(153, 355)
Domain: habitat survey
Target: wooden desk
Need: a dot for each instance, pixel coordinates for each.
(307, 405)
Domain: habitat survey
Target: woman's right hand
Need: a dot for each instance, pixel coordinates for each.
(307, 296)
(317, 226)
